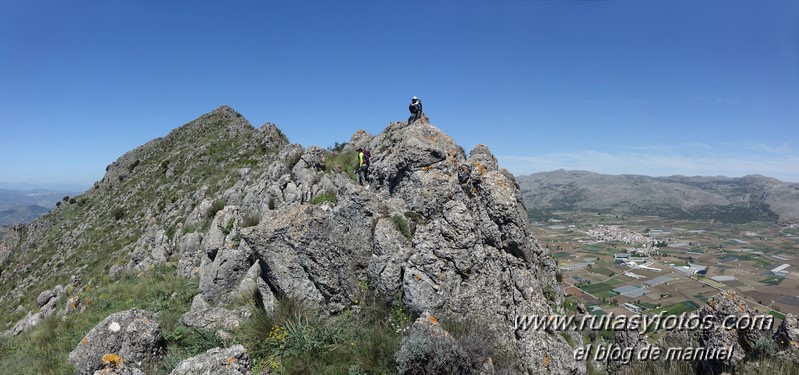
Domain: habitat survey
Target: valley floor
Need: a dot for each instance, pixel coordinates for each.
(648, 264)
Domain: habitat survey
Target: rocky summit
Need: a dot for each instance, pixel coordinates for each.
(440, 233)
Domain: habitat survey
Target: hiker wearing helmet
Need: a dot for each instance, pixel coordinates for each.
(416, 110)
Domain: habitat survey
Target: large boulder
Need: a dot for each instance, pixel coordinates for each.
(133, 335)
(213, 318)
(217, 361)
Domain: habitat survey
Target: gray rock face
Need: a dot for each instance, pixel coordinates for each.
(134, 335)
(230, 361)
(444, 233)
(787, 338)
(227, 258)
(787, 335)
(190, 254)
(213, 318)
(315, 255)
(447, 233)
(154, 247)
(624, 340)
(740, 341)
(721, 306)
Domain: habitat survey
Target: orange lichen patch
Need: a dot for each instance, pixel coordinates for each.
(418, 277)
(480, 168)
(546, 361)
(742, 307)
(433, 319)
(426, 168)
(230, 361)
(87, 301)
(730, 295)
(442, 276)
(84, 341)
(112, 359)
(431, 139)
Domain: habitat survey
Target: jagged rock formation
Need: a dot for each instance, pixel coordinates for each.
(256, 217)
(787, 339)
(626, 340)
(751, 345)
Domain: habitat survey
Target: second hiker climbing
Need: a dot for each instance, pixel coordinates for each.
(416, 110)
(363, 165)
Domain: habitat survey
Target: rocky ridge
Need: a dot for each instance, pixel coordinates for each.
(251, 215)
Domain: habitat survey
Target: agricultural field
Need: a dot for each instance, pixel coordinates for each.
(674, 266)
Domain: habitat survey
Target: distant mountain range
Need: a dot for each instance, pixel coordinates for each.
(726, 199)
(22, 206)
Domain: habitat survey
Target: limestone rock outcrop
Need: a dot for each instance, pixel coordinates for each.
(217, 361)
(254, 217)
(133, 335)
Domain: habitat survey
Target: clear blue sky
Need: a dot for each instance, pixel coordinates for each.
(706, 87)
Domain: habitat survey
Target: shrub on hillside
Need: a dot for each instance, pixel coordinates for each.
(328, 196)
(217, 206)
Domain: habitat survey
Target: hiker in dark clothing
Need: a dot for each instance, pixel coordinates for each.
(416, 110)
(363, 166)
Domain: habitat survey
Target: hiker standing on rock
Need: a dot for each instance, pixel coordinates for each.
(363, 165)
(416, 110)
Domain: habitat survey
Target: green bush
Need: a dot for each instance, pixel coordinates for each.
(217, 206)
(118, 213)
(183, 343)
(347, 161)
(467, 346)
(422, 353)
(328, 196)
(402, 226)
(764, 347)
(133, 165)
(295, 339)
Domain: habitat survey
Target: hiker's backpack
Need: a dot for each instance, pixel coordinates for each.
(366, 156)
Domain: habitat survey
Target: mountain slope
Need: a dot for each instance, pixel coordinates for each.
(257, 219)
(155, 185)
(719, 198)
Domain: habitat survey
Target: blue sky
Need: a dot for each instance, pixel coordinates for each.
(705, 87)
